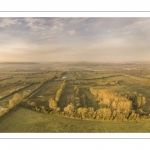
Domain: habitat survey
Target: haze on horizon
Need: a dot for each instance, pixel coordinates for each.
(74, 39)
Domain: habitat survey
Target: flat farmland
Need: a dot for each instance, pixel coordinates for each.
(95, 74)
(73, 82)
(87, 99)
(70, 76)
(108, 113)
(126, 83)
(12, 80)
(33, 79)
(5, 101)
(9, 86)
(48, 91)
(10, 89)
(67, 97)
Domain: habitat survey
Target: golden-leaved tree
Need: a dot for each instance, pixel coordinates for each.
(111, 104)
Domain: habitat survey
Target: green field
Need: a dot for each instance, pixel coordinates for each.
(28, 121)
(45, 93)
(4, 102)
(67, 97)
(74, 107)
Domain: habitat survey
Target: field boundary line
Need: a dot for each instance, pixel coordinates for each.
(3, 98)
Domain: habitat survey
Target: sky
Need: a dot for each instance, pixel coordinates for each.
(74, 39)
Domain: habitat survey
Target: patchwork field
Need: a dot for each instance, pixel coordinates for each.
(5, 101)
(42, 96)
(74, 98)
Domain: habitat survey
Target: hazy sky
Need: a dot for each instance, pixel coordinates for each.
(74, 39)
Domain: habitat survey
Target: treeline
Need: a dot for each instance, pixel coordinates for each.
(11, 92)
(100, 114)
(111, 106)
(76, 97)
(33, 105)
(20, 100)
(105, 82)
(138, 100)
(12, 103)
(119, 105)
(53, 102)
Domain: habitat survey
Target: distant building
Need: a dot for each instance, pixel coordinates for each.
(40, 96)
(29, 90)
(63, 77)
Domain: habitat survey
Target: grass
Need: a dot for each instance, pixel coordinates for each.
(70, 76)
(67, 97)
(29, 121)
(88, 100)
(92, 74)
(4, 102)
(45, 93)
(12, 80)
(8, 90)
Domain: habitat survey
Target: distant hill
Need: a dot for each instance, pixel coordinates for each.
(18, 63)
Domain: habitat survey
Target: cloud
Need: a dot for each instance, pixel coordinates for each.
(34, 23)
(72, 32)
(88, 38)
(5, 22)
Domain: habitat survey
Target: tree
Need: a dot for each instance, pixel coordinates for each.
(113, 105)
(63, 85)
(138, 102)
(52, 104)
(56, 98)
(58, 109)
(90, 112)
(33, 104)
(143, 101)
(75, 88)
(69, 110)
(84, 112)
(58, 94)
(77, 99)
(15, 100)
(133, 115)
(17, 97)
(25, 94)
(43, 109)
(11, 103)
(103, 113)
